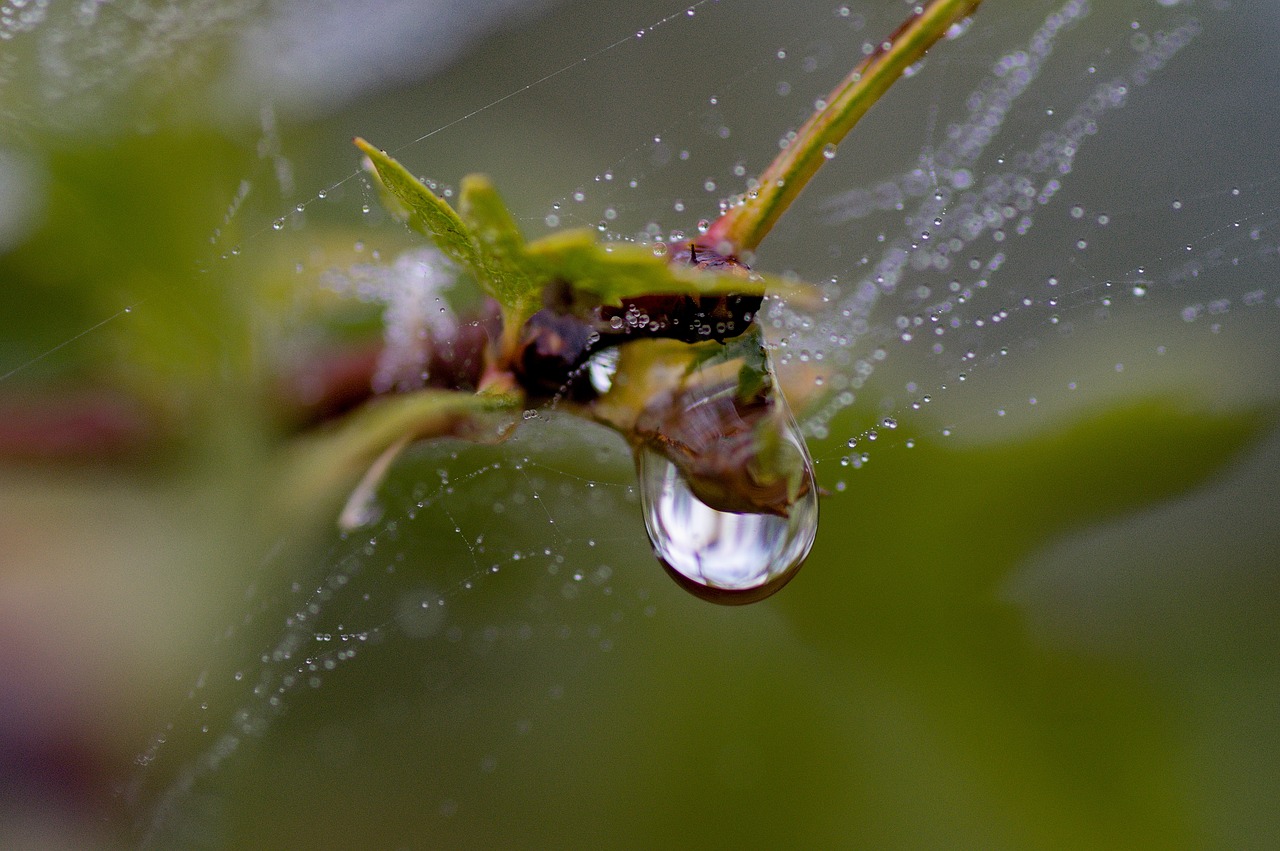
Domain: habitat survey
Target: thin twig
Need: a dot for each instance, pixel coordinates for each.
(743, 227)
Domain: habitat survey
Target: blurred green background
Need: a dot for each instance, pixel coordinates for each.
(1024, 625)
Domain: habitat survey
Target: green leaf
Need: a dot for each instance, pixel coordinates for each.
(504, 271)
(754, 374)
(428, 213)
(483, 237)
(611, 272)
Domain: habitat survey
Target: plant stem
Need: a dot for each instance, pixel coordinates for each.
(744, 226)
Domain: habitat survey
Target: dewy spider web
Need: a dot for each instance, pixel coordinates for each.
(502, 617)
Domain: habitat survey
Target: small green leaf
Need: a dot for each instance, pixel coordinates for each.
(752, 379)
(754, 375)
(776, 459)
(504, 271)
(428, 213)
(609, 273)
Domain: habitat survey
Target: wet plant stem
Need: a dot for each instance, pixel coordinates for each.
(743, 227)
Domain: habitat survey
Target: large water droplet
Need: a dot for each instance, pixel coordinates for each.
(723, 556)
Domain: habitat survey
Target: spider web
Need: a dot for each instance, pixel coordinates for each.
(1039, 226)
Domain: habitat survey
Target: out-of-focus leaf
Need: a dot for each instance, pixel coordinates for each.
(1026, 493)
(320, 466)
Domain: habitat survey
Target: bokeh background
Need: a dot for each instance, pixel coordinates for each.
(1025, 624)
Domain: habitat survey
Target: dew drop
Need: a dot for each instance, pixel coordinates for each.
(721, 556)
(829, 151)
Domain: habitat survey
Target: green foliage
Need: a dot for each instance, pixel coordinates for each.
(427, 213)
(482, 236)
(500, 263)
(754, 374)
(609, 273)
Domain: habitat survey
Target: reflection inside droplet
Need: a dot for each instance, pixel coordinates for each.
(723, 556)
(601, 368)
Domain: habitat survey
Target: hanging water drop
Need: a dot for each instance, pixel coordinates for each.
(726, 482)
(723, 556)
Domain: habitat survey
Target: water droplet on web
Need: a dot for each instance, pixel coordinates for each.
(722, 556)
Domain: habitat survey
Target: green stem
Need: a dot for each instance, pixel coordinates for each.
(320, 465)
(744, 226)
